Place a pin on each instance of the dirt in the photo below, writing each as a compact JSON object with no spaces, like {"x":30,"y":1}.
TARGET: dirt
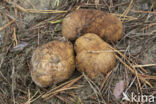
{"x":29,"y":30}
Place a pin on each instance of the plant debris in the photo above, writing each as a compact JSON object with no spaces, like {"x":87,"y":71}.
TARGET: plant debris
{"x":27,"y":24}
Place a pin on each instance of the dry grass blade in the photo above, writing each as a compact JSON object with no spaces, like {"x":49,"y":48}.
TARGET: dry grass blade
{"x":137,"y":77}
{"x":146,"y":65}
{"x":148,"y":26}
{"x":140,"y":68}
{"x":13,"y":82}
{"x":32,"y":99}
{"x":62,"y":88}
{"x":104,"y":81}
{"x":29,"y":2}
{"x":58,"y":91}
{"x":140,"y":11}
{"x":96,"y":2}
{"x":63,"y":99}
{"x":6,"y":25}
{"x":128,"y":18}
{"x":35,"y":10}
{"x":44,"y":11}
{"x":75,"y":98}
{"x":29,"y":94}
{"x":73,"y":81}
{"x":15,"y":37}
{"x":148,"y":77}
{"x":128,"y":9}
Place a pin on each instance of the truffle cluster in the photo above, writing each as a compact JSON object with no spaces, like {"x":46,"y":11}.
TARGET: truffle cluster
{"x":55,"y":61}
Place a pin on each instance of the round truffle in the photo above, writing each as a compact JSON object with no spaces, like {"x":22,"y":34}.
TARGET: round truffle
{"x":82,"y":21}
{"x":52,"y":63}
{"x":94,"y":56}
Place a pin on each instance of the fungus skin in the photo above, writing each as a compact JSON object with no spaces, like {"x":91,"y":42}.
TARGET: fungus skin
{"x":94,"y":56}
{"x":52,"y":63}
{"x":83,"y":21}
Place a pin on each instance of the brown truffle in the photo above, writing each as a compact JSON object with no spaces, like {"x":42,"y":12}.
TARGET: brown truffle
{"x":52,"y":63}
{"x":82,"y":21}
{"x":94,"y":56}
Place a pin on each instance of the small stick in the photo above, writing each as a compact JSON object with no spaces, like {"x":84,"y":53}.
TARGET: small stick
{"x":14,"y":36}
{"x":127,"y":10}
{"x":6,"y":25}
{"x":29,"y":2}
{"x":146,"y":65}
{"x":28,"y":102}
{"x":104,"y":81}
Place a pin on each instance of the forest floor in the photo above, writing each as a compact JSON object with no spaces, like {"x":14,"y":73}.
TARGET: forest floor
{"x":26,"y":24}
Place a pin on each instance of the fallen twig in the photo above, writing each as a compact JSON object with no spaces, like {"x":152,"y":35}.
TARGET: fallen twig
{"x":6,"y":25}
